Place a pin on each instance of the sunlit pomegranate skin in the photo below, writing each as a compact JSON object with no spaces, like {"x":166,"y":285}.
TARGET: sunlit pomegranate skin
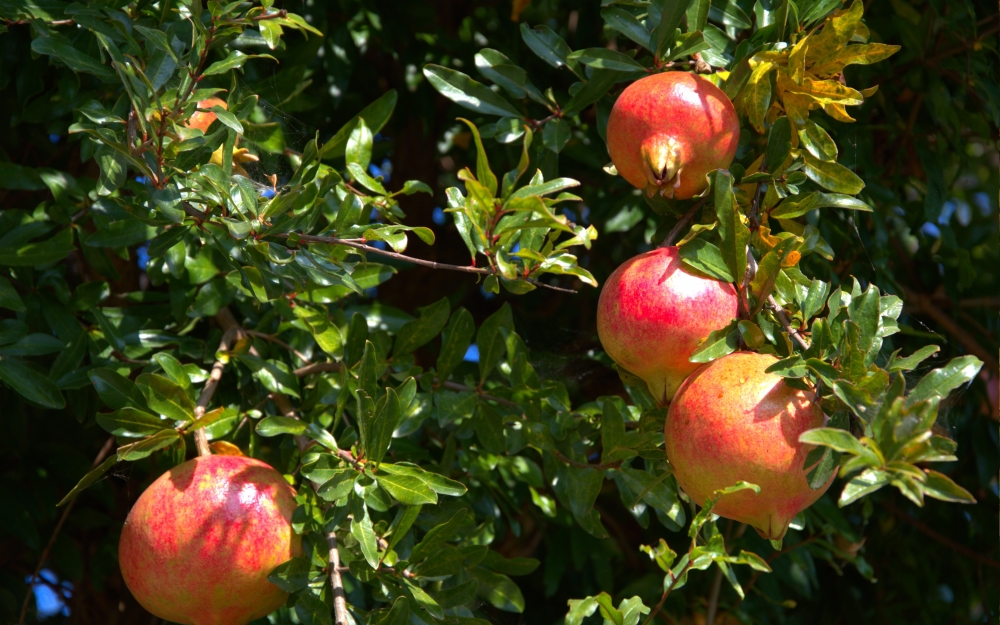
{"x":202,"y":120}
{"x":731,"y":421}
{"x":653,"y":313}
{"x":668,"y":130}
{"x":198,"y":545}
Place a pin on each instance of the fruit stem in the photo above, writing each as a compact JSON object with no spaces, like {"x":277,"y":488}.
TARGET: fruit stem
{"x":200,"y":436}
{"x":669,"y":240}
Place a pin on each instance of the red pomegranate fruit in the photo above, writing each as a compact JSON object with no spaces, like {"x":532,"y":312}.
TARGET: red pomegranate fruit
{"x":199,"y":543}
{"x":653,"y":313}
{"x":668,"y":130}
{"x":732,"y":421}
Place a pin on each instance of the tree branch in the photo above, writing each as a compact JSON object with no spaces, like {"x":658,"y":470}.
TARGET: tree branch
{"x":669,"y":239}
{"x":200,"y":437}
{"x":274,"y":339}
{"x":944,"y":540}
{"x":969,"y":342}
{"x":101,"y":455}
{"x":336,"y":582}
{"x":309,"y":238}
{"x":780,"y":314}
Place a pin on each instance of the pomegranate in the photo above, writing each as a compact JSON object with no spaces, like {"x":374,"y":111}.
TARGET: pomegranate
{"x":731,"y":421}
{"x":198,"y":545}
{"x":203,"y":119}
{"x":652,"y":314}
{"x":668,"y":130}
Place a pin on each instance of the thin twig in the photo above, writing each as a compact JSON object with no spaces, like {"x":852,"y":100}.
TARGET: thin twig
{"x":455,"y":386}
{"x":669,"y":239}
{"x":274,"y":339}
{"x":318,"y":367}
{"x":200,"y":436}
{"x":101,"y":455}
{"x":944,"y":540}
{"x":780,"y":314}
{"x":309,"y":238}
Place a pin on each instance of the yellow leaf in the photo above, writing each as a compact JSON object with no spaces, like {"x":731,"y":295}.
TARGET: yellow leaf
{"x":853,"y":55}
{"x":792,"y":259}
{"x":797,"y":60}
{"x":222,"y":448}
{"x":838,"y":112}
{"x":796,"y":107}
{"x":828,"y":91}
{"x":869,"y":92}
{"x":751,"y":188}
{"x":861,"y":33}
{"x":757,"y":95}
{"x":837,"y":31}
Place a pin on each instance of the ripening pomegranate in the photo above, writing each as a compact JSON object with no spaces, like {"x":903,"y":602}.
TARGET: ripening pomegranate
{"x":653,"y":313}
{"x":203,"y":119}
{"x":199,"y":543}
{"x":668,"y":130}
{"x":731,"y":421}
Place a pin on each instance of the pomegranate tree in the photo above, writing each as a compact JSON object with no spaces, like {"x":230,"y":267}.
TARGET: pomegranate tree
{"x":199,"y":543}
{"x":731,"y":421}
{"x":653,"y":313}
{"x":668,"y":130}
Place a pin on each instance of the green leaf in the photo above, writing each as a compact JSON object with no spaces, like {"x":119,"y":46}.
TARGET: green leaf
{"x":779,"y":144}
{"x":603,"y":58}
{"x":663,"y":35}
{"x":697,"y":15}
{"x":421,"y":330}
{"x":116,"y":391}
{"x":549,"y":47}
{"x":819,"y":143}
{"x":498,"y":590}
{"x":625,"y":23}
{"x":381,"y":425}
{"x":865,"y":483}
{"x":913,"y":361}
{"x":832,"y":176}
{"x":468,"y":93}
{"x":142,"y":449}
{"x":601,"y":81}
{"x":705,"y":258}
{"x":61,"y":48}
{"x":338,"y":486}
{"x":491,"y":342}
{"x":131,"y":422}
{"x":718,"y":343}
{"x":359,"y":145}
{"x":363,"y":531}
{"x":276,"y":425}
{"x":817,"y":199}
{"x":166,"y":397}
{"x":408,"y":490}
{"x":488,"y":424}
{"x":399,"y":614}
{"x":940,"y":486}
{"x":173,"y":368}
{"x":556,"y":135}
{"x":734,"y":233}
{"x":227,"y":118}
{"x":836,"y":439}
{"x":437,"y":483}
{"x":9,"y":297}
{"x":29,"y":383}
{"x":38,"y":254}
{"x":275,"y":375}
{"x":292,"y":576}
{"x":455,"y":341}
{"x":729,"y":13}
{"x":312,"y":611}
{"x":89,"y":479}
{"x":940,"y":382}
{"x":235,"y":60}
{"x":375,"y":115}
{"x":360,"y":176}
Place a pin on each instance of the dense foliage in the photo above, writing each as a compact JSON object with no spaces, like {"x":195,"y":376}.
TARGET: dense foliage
{"x":461,"y":446}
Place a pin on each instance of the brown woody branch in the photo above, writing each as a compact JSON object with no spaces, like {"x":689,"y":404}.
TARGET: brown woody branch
{"x":669,"y":239}
{"x":944,"y":540}
{"x":927,"y":306}
{"x":200,"y":437}
{"x":780,"y":314}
